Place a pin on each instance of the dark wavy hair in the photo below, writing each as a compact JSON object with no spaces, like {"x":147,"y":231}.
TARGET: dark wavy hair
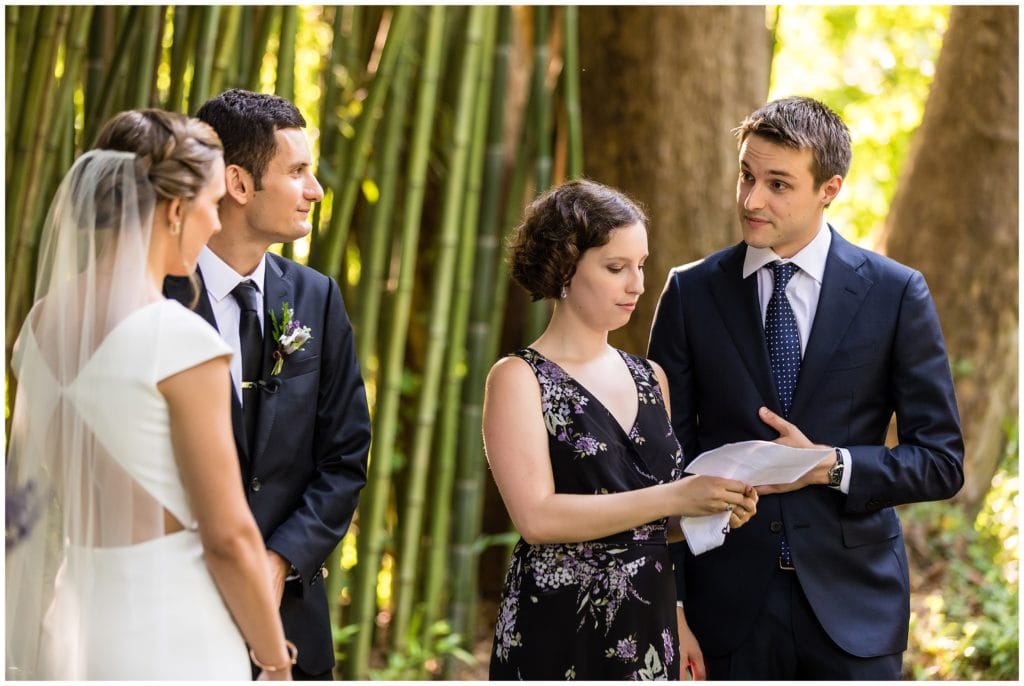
{"x":559,"y":227}
{"x":246,"y":123}
{"x":803,"y":124}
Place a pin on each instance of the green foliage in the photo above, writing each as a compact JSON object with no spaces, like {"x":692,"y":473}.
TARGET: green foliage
{"x":418,"y":655}
{"x":874,"y":66}
{"x":964,"y":601}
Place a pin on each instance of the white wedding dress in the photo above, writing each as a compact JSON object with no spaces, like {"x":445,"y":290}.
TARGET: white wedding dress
{"x":148,"y":608}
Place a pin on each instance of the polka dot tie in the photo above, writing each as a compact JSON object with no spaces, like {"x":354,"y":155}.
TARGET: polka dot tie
{"x":783,"y":337}
{"x":783,"y":340}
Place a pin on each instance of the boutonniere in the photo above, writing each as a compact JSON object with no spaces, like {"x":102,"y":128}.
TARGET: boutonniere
{"x":290,"y":335}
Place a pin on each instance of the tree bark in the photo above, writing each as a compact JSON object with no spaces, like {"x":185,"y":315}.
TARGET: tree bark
{"x":662,"y":87}
{"x":954,"y":217}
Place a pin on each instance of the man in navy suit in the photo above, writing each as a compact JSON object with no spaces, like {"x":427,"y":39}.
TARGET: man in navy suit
{"x":816,"y":585}
{"x":300,"y":417}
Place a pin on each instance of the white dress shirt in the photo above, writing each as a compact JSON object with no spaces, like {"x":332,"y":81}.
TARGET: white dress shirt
{"x":803,"y":292}
{"x":220,"y":280}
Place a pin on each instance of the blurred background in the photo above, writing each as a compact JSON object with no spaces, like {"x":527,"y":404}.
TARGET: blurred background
{"x":433,"y":127}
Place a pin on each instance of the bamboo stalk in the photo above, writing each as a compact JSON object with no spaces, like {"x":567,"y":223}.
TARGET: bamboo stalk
{"x":265,"y":28}
{"x":203,"y":57}
{"x":329,"y":114}
{"x":149,"y":44}
{"x":228,"y":36}
{"x":470,"y":469}
{"x":285,"y":83}
{"x":115,"y":75}
{"x":571,"y":76}
{"x":24,"y":186}
{"x":11,"y":16}
{"x":373,"y":279}
{"x":537,"y":313}
{"x":374,"y":502}
{"x":246,"y":44}
{"x":25,"y":42}
{"x":332,"y":243}
{"x":450,"y":434}
{"x":53,"y":159}
{"x":445,"y":262}
{"x":102,"y":37}
{"x":185,"y":27}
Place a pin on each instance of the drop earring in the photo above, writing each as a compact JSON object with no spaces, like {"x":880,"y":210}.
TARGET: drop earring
{"x":175,"y":228}
{"x":564,"y":293}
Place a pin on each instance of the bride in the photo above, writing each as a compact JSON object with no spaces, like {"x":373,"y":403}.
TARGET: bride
{"x":139,"y":558}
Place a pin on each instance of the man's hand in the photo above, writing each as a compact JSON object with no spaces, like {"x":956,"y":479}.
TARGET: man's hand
{"x":278,"y":571}
{"x":690,"y":656}
{"x":790,"y":435}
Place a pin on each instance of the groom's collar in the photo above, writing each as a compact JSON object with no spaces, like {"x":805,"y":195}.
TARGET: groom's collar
{"x":221,"y":279}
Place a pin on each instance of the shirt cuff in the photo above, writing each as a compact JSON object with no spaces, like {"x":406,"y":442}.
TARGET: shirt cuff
{"x":844,"y":483}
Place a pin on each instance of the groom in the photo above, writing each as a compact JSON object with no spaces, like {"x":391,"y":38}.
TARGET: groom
{"x":300,"y":417}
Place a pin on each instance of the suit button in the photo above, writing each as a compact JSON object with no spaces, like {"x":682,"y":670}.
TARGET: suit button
{"x":255,"y":484}
{"x":775,"y":527}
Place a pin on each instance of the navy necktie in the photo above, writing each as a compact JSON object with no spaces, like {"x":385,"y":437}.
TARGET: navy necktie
{"x":783,"y":340}
{"x":783,"y":337}
{"x":250,"y":340}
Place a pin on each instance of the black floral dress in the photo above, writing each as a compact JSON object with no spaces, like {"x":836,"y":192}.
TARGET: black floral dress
{"x":603,"y":609}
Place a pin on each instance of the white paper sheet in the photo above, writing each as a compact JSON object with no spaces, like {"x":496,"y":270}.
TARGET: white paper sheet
{"x":754,"y":462}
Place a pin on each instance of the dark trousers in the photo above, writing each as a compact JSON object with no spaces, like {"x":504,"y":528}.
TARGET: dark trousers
{"x":788,"y":642}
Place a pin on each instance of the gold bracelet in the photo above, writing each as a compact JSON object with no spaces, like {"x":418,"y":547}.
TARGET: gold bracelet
{"x":293,"y":654}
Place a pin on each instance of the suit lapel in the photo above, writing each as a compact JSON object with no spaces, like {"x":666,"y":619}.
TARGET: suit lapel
{"x":179,"y":288}
{"x":738,"y":306}
{"x":843,"y":291}
{"x":278,"y":290}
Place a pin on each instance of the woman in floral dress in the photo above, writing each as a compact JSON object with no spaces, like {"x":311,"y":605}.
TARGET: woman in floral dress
{"x":580,"y":443}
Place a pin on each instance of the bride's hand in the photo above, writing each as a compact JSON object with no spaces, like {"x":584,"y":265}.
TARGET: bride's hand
{"x":704,"y":495}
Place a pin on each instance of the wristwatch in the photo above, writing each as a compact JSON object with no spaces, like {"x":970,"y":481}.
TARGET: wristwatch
{"x":835,"y":472}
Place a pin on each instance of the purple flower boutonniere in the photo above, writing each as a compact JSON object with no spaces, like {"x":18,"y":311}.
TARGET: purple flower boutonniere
{"x":290,"y":335}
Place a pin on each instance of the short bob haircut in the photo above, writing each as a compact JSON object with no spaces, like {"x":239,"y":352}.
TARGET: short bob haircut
{"x":559,"y":227}
{"x":803,"y":124}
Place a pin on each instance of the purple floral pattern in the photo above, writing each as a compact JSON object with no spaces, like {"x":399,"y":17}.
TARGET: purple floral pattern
{"x":616,"y":595}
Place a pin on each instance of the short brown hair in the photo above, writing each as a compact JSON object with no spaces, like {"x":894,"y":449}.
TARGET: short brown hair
{"x":803,"y":124}
{"x":560,"y":226}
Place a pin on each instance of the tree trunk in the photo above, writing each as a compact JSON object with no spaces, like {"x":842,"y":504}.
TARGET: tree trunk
{"x":954,"y":217}
{"x":700,"y":71}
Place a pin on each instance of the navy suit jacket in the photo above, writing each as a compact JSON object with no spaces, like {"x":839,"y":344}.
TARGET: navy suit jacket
{"x":303,"y":477}
{"x":875,"y":349}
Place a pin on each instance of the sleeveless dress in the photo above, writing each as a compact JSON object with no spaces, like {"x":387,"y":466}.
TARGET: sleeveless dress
{"x":602,"y":609}
{"x":149,"y":610}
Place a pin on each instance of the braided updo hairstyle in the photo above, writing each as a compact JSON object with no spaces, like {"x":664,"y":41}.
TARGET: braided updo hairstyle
{"x":559,"y":227}
{"x":175,"y":152}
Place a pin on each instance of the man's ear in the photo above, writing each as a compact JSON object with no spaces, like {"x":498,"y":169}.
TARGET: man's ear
{"x":830,"y":189}
{"x":240,"y":184}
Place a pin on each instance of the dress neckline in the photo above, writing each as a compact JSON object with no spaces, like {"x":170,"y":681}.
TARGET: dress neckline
{"x":622,"y":355}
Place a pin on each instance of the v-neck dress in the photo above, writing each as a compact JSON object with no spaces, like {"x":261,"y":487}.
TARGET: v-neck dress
{"x":602,"y":609}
